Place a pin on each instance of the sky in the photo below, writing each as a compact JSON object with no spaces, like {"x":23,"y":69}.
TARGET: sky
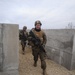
{"x":54,"y":14}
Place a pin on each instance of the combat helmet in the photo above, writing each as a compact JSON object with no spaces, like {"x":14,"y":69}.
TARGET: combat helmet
{"x":38,"y":22}
{"x":24,"y":27}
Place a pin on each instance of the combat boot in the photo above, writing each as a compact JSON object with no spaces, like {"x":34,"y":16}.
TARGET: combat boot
{"x":23,"y":52}
{"x":35,"y":64}
{"x":44,"y":72}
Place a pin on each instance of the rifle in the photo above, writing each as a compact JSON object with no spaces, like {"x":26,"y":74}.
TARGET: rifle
{"x":36,"y":41}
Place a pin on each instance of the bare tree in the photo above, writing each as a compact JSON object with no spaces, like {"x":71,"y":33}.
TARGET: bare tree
{"x":70,"y":26}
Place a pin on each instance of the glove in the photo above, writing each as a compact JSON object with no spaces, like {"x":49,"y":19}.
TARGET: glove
{"x":43,"y":45}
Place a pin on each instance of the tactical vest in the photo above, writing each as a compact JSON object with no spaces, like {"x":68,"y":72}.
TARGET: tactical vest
{"x":39,"y":35}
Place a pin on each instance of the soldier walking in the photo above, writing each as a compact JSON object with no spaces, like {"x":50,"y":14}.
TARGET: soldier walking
{"x":37,"y":39}
{"x":23,"y":37}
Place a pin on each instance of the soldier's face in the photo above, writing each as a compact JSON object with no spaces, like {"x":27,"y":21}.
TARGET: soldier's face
{"x":38,"y":26}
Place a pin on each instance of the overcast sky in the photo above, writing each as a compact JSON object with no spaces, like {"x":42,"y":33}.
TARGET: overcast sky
{"x":52,"y":13}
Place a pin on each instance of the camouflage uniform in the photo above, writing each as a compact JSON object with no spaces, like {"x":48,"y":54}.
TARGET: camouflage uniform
{"x":23,"y":37}
{"x":35,"y":49}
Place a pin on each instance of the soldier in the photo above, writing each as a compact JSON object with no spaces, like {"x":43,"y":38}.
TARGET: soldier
{"x":23,"y":37}
{"x":37,"y":39}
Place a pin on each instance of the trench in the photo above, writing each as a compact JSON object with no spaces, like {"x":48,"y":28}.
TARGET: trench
{"x":26,"y":65}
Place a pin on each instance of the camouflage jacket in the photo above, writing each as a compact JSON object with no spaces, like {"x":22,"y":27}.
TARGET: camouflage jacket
{"x":41,"y":35}
{"x":23,"y":35}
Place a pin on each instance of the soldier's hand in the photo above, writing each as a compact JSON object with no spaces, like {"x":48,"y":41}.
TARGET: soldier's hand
{"x":43,"y":45}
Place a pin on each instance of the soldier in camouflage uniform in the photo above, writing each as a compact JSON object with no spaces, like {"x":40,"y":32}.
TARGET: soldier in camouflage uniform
{"x":35,"y":49}
{"x":23,"y":37}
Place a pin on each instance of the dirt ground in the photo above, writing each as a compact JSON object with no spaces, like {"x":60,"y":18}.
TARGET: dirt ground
{"x":26,"y":65}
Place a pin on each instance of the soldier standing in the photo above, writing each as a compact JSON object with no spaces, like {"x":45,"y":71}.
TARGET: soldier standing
{"x":23,"y":37}
{"x":36,"y":50}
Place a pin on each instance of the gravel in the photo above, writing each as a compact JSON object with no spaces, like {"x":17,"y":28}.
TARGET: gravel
{"x":26,"y":65}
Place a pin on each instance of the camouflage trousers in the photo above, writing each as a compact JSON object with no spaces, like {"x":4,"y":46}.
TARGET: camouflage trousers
{"x":37,"y":52}
{"x":23,"y":43}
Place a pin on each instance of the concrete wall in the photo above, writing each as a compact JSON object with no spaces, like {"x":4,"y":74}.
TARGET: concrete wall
{"x":73,"y":55}
{"x":1,"y":49}
{"x":60,"y":46}
{"x":9,"y":48}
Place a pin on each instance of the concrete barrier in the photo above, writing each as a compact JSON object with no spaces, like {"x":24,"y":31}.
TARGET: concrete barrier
{"x":60,"y":47}
{"x":9,"y":49}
